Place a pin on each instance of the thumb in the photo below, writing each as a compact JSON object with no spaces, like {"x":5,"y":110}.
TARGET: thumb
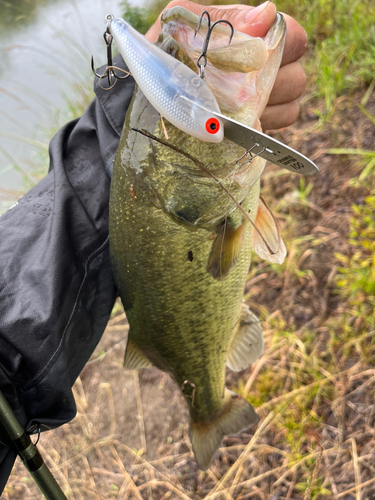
{"x":254,"y":21}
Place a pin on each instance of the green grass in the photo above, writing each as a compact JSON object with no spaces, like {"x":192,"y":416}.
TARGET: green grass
{"x":142,"y":18}
{"x":364,"y":158}
{"x":341,"y":55}
{"x":306,"y":371}
{"x":356,"y":282}
{"x":342,"y":44}
{"x":357,"y":273}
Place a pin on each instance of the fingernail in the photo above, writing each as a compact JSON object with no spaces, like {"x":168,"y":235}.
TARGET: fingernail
{"x":254,"y":13}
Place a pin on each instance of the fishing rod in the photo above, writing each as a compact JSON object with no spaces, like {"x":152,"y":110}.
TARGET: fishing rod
{"x":21,"y":443}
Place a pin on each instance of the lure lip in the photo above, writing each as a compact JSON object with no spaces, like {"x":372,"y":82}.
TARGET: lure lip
{"x":273,"y":150}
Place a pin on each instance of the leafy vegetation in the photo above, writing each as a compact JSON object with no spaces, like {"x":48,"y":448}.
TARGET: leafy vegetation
{"x":19,"y":13}
{"x":142,"y":18}
{"x":342,"y":36}
{"x":342,"y":44}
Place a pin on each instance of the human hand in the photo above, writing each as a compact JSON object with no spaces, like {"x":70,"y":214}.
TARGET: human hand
{"x":282,"y":109}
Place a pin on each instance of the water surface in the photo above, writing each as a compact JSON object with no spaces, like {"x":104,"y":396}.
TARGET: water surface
{"x":45,"y":47}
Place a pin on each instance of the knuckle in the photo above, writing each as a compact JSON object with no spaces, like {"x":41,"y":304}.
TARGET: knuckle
{"x":280,"y":116}
{"x":292,"y":113}
{"x":300,"y":79}
{"x":296,"y":77}
{"x":289,"y":85}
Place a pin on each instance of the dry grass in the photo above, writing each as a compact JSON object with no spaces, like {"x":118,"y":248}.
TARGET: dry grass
{"x":313,"y":387}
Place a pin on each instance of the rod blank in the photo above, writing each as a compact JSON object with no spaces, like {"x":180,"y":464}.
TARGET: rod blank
{"x":28,"y":452}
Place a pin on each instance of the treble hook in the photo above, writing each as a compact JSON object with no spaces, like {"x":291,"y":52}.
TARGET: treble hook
{"x":207,"y":39}
{"x":110,"y":69}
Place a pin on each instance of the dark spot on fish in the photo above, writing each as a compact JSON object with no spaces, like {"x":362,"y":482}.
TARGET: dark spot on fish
{"x":190,"y":256}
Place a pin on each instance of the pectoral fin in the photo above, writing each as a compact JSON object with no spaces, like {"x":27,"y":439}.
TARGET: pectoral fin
{"x":225,"y":251}
{"x":237,"y":415}
{"x":134,"y":357}
{"x":247,"y":344}
{"x":269,"y":235}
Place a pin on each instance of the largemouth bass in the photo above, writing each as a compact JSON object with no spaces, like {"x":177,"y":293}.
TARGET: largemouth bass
{"x":182,"y":218}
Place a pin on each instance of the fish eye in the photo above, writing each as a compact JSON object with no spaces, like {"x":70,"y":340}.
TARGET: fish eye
{"x":212,"y":125}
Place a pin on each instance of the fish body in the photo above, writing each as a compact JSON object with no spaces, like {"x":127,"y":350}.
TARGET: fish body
{"x":182,"y":213}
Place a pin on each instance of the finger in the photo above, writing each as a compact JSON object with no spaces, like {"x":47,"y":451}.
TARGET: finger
{"x":295,"y":41}
{"x":279,"y":116}
{"x":289,"y":84}
{"x":253,"y":21}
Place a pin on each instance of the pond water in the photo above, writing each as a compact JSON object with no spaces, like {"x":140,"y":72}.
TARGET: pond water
{"x":46,"y":47}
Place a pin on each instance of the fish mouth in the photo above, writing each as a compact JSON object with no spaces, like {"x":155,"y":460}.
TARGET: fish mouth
{"x":240,"y":74}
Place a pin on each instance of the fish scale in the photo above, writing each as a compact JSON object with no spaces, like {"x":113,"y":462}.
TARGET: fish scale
{"x":204,"y":307}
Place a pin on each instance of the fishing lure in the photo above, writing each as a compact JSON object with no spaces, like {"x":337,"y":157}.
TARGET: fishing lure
{"x":181,"y":96}
{"x":174,"y":90}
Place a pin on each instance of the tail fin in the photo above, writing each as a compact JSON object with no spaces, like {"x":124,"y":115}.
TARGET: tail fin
{"x":237,"y":415}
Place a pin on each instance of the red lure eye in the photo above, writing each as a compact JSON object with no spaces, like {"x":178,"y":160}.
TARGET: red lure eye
{"x":212,"y":126}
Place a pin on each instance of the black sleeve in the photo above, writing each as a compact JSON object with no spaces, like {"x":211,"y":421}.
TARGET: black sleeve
{"x":56,"y":285}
